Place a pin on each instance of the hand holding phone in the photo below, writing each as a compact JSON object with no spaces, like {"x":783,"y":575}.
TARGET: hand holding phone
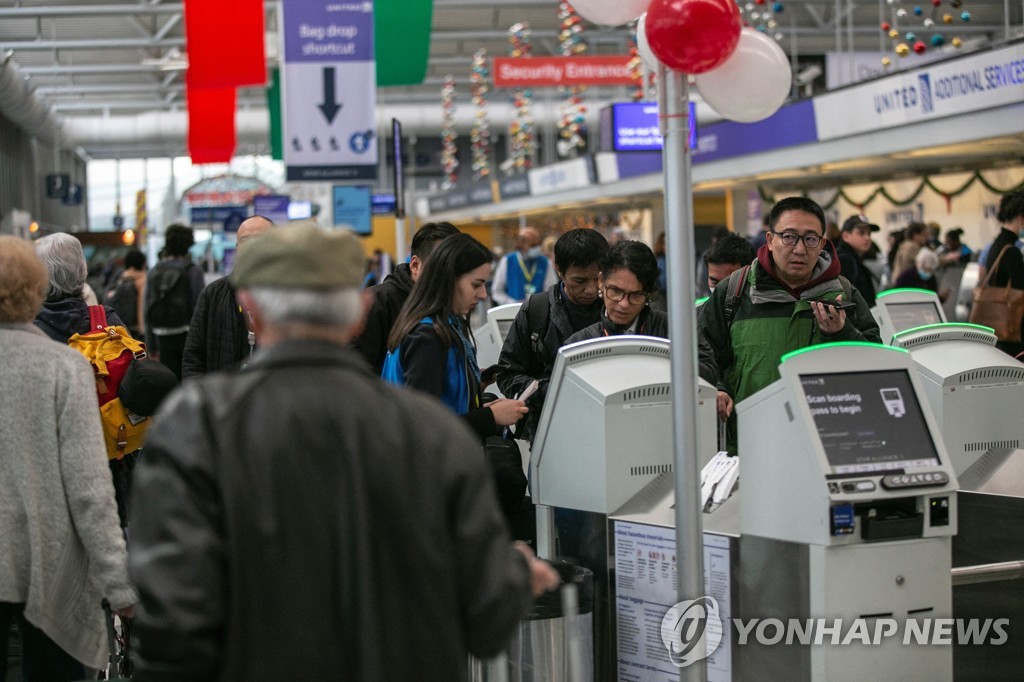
{"x":528,"y":391}
{"x":838,"y":305}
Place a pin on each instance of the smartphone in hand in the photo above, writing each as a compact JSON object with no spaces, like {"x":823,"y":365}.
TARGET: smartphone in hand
{"x":838,"y":305}
{"x":528,"y":391}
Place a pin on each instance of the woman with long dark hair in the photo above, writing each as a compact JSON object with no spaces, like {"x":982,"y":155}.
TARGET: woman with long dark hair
{"x":431,"y":348}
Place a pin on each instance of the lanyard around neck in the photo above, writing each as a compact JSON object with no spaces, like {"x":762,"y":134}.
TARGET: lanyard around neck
{"x":527,"y":273}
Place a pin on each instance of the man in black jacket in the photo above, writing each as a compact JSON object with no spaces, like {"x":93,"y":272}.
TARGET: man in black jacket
{"x":390,"y":295}
{"x":855,"y":241}
{"x":219,"y":338}
{"x":302,"y":520}
{"x":1011,"y":266}
{"x":546,"y":319}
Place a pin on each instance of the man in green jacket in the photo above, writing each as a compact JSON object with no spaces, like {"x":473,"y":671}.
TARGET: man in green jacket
{"x":776,"y":310}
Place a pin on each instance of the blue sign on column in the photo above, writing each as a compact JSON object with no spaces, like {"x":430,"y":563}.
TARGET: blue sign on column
{"x":329,"y":85}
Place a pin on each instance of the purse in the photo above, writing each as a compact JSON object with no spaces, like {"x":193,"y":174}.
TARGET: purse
{"x":1000,"y":308}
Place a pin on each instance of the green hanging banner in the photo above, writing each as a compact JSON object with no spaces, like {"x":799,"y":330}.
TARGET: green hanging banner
{"x":401,"y":37}
{"x":274,"y":108}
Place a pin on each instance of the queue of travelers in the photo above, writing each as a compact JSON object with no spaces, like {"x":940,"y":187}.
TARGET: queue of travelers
{"x":308,"y":397}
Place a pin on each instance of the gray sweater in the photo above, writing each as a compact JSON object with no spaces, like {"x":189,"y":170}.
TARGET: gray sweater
{"x":61,"y":549}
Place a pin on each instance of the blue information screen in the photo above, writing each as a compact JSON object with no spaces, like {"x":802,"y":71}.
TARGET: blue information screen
{"x":352,"y":208}
{"x":635,"y":127}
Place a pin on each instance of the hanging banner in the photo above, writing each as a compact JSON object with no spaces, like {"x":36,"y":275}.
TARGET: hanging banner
{"x":519,"y":72}
{"x":329,"y":88}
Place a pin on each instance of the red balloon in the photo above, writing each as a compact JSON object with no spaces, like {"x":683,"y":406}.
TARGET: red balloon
{"x":692,"y":36}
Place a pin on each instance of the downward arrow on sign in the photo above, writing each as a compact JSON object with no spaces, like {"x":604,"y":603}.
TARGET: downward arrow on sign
{"x":330,"y":107}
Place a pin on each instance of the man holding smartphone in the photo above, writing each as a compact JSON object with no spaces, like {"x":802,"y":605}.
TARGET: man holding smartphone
{"x":791,"y":297}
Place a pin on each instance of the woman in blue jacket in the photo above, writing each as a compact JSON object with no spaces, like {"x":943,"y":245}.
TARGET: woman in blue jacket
{"x":431,"y":348}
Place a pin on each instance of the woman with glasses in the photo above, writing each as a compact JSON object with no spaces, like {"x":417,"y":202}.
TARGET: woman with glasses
{"x":629,"y":277}
{"x":431,"y":348}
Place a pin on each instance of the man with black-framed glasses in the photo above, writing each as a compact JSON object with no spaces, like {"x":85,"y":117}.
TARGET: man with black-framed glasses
{"x":760,"y":313}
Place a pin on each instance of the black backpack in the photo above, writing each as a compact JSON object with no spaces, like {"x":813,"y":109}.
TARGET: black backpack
{"x":171,"y":297}
{"x":124,"y":299}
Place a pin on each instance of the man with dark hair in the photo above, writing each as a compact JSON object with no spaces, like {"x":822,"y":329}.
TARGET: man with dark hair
{"x":778,"y":308}
{"x":219,"y":337}
{"x":546,"y":319}
{"x":172,"y":292}
{"x":855,"y":241}
{"x":725,"y":256}
{"x":390,"y":295}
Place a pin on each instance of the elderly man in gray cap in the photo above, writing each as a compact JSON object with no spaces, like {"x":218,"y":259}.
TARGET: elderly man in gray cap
{"x":302,"y":520}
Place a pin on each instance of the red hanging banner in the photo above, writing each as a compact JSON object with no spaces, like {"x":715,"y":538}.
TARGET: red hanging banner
{"x":211,"y":124}
{"x":224,"y":40}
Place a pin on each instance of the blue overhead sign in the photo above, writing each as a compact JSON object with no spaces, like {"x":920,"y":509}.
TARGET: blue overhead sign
{"x":329,"y":85}
{"x":352,"y":208}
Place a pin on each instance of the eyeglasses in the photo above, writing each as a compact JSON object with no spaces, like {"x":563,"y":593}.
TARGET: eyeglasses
{"x":616,"y":294}
{"x":811,"y":241}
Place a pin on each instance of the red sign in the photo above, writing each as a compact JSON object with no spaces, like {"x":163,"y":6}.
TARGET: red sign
{"x":520,"y":72}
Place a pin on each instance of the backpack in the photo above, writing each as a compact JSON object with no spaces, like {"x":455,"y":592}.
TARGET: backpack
{"x":124,"y":299}
{"x":117,"y":360}
{"x":169,"y":305}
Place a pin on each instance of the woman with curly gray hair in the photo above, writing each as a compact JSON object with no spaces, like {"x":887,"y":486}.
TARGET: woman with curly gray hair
{"x":61,"y":548}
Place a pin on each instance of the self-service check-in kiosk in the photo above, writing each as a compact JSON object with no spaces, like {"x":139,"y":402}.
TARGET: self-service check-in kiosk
{"x":977,"y":392}
{"x":490,"y":336}
{"x":847,"y":508}
{"x":899,"y":309}
{"x":605,"y":433}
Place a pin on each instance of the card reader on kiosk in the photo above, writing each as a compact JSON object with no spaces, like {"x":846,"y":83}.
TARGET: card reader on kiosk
{"x":899,"y":309}
{"x":847,"y":506}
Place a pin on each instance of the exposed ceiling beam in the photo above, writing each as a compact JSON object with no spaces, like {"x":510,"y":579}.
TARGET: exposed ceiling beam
{"x":85,"y":69}
{"x":90,"y":44}
{"x":75,"y":10}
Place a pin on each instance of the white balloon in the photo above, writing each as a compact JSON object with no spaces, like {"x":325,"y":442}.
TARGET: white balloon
{"x":642,"y":46}
{"x":752,"y":83}
{"x":610,"y":12}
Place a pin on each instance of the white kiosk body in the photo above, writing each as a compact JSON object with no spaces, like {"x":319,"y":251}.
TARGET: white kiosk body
{"x":976,"y":392}
{"x":847,"y":507}
{"x":606,"y":428}
{"x":490,"y":336}
{"x":899,"y":309}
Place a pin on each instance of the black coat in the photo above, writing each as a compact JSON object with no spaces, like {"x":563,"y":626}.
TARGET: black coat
{"x":853,"y":269}
{"x":301,"y":520}
{"x":1011,"y":269}
{"x":388,"y":298}
{"x":218,"y":338}
{"x":524,"y":359}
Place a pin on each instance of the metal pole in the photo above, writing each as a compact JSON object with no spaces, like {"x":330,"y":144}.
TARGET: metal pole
{"x":681,"y":253}
{"x":988,"y":573}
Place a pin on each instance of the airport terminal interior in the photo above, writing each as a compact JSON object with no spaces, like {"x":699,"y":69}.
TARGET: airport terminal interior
{"x":861,"y":517}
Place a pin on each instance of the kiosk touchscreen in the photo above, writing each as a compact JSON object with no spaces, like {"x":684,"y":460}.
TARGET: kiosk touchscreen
{"x":848,"y":495}
{"x":490,"y":336}
{"x":606,"y":428}
{"x":975,"y":391}
{"x":899,"y":309}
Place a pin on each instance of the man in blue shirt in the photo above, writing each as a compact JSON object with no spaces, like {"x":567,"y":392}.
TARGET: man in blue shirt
{"x":524,"y":272}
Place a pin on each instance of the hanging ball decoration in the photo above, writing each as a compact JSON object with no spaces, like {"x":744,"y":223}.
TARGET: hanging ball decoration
{"x":929,"y":22}
{"x":886,"y":26}
{"x":936,"y":3}
{"x":910,"y":37}
{"x":886,"y":62}
{"x":894,"y":34}
{"x":902,"y":50}
{"x":920,"y":47}
{"x":938,"y":39}
{"x":957,"y":42}
{"x":901,"y":12}
{"x":772,"y":24}
{"x":918,"y":11}
{"x":947,"y":18}
{"x":965,"y":16}
{"x":890,"y":2}
{"x":778,"y":8}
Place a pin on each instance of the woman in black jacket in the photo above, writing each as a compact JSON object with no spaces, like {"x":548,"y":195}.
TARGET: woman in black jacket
{"x":1011,"y":266}
{"x":629,"y":277}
